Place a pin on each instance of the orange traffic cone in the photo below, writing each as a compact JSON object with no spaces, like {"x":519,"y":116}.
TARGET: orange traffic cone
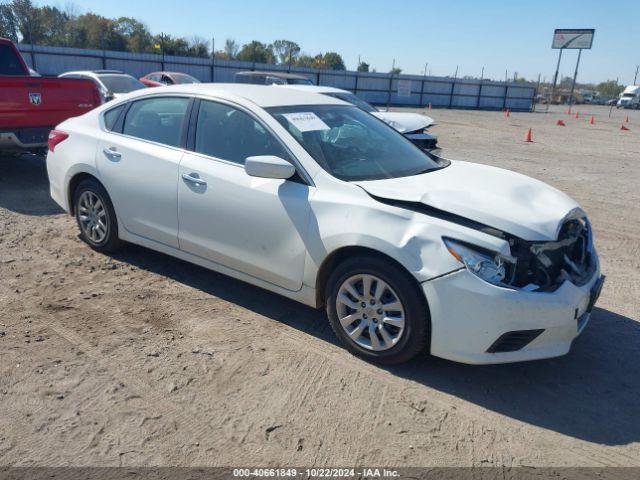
{"x":529,"y":136}
{"x":622,"y":127}
{"x":592,"y":121}
{"x":429,"y":105}
{"x":626,"y":120}
{"x":560,"y":123}
{"x":568,"y":112}
{"x":577,"y":114}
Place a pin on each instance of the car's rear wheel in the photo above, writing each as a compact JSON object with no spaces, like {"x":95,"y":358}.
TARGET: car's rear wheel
{"x":377,"y":310}
{"x":96,"y":217}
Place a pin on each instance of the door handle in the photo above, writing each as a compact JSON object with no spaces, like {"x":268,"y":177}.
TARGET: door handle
{"x":112,"y":154}
{"x":195,"y":180}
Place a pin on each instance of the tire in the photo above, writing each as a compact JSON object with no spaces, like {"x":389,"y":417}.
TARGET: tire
{"x":408,"y":340}
{"x":104,"y":238}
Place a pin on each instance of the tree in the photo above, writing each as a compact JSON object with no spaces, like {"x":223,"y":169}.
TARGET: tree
{"x":286,"y":51}
{"x":98,"y":32}
{"x":231,"y":48}
{"x":395,"y":71}
{"x":176,"y":46}
{"x":333,"y":61}
{"x":256,"y":51}
{"x":306,"y":61}
{"x":8,"y":23}
{"x":138,"y":38}
{"x":27,"y":21}
{"x":363,"y":67}
{"x":198,"y":47}
{"x":610,"y":88}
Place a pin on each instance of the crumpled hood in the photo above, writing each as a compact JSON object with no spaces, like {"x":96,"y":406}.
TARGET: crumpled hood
{"x":405,"y":122}
{"x":509,"y":201}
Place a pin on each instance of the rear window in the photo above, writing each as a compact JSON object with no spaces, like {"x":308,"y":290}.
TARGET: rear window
{"x":9,"y":62}
{"x":299,"y":81}
{"x":118,"y":83}
{"x":157,"y":119}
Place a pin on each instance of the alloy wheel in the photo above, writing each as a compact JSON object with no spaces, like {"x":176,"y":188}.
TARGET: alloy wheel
{"x":92,"y":216}
{"x":370,"y":312}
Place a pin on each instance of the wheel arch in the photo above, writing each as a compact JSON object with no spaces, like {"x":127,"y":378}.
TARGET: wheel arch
{"x":73,"y":183}
{"x":337,"y":256}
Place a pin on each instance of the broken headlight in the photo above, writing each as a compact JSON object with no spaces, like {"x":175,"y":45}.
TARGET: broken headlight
{"x":491,"y":267}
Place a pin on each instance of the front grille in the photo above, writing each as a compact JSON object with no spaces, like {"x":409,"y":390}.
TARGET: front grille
{"x":513,"y":341}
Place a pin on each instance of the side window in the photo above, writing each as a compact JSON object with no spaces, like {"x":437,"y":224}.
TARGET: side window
{"x":111,"y":117}
{"x":157,"y":119}
{"x":230,"y":134}
{"x":274,"y":81}
{"x":9,"y":63}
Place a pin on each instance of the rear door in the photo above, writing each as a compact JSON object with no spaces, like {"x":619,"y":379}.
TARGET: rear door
{"x":139,"y":165}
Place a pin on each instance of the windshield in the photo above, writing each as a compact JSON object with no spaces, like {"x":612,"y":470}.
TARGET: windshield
{"x":351,"y":144}
{"x":628,"y":94}
{"x":121,"y":83}
{"x":299,"y":81}
{"x":352,"y":99}
{"x":181,"y":78}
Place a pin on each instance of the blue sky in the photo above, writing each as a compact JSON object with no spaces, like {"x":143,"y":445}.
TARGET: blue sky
{"x":499,"y":35}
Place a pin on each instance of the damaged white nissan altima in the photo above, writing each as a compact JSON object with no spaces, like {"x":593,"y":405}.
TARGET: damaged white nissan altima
{"x":311,"y":197}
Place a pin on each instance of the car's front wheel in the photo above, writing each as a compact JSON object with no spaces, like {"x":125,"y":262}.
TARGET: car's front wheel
{"x":96,"y":217}
{"x":377,"y":310}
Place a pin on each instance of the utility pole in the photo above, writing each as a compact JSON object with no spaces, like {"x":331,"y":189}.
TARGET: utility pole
{"x":213,"y":57}
{"x":393,"y":68}
{"x":162,"y":48}
{"x":575,"y":75}
{"x":636,"y":75}
{"x":555,"y":77}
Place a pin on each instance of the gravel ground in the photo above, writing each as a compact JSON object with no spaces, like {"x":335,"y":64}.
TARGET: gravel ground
{"x":140,"y":359}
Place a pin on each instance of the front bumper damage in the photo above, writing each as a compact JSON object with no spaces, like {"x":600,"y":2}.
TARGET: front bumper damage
{"x":469,"y":315}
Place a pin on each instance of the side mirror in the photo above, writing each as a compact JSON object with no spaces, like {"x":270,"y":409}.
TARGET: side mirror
{"x":268,"y":166}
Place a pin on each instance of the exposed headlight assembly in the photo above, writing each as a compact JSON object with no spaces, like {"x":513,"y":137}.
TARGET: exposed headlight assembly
{"x":492,"y":267}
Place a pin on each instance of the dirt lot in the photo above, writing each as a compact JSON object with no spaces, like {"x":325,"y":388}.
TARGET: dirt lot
{"x":141,"y":359}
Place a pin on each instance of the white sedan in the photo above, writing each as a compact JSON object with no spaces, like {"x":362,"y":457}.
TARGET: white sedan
{"x":404,"y":122}
{"x":311,"y":197}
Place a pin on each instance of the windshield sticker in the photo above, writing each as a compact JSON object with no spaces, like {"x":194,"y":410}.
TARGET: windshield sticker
{"x":306,"y":121}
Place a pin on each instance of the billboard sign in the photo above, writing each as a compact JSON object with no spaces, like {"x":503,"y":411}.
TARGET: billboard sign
{"x":576,"y":38}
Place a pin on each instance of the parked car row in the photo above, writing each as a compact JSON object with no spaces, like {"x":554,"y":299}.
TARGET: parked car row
{"x":29,"y":124}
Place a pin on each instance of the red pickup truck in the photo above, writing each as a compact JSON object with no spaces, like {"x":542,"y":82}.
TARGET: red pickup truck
{"x":31,"y":106}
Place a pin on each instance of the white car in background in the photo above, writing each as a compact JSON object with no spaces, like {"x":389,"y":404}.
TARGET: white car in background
{"x":112,"y":84}
{"x":312,"y":198}
{"x":404,"y":122}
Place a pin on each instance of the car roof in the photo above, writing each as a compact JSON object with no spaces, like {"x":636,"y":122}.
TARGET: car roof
{"x":261,"y":95}
{"x":313,"y":88}
{"x":167,"y":72}
{"x":94,"y":72}
{"x":273,"y":74}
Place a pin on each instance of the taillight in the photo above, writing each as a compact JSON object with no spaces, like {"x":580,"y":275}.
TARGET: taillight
{"x":55,"y":137}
